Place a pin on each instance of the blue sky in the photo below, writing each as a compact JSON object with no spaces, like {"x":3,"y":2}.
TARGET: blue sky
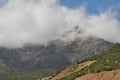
{"x":94,"y":6}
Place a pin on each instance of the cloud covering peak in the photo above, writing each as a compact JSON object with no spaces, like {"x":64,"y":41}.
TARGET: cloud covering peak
{"x":40,"y":21}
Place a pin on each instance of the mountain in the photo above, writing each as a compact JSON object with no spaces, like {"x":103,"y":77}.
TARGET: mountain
{"x":31,"y":61}
{"x":55,"y":55}
{"x":104,"y":66}
{"x":36,"y":61}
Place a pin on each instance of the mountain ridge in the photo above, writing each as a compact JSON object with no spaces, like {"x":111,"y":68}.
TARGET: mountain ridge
{"x":31,"y":61}
{"x":55,"y":55}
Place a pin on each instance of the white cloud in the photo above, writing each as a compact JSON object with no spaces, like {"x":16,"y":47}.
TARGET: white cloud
{"x":40,"y":21}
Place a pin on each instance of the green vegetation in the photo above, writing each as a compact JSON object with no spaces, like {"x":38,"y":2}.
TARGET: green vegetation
{"x":70,"y":77}
{"x":72,"y":68}
{"x":26,"y":75}
{"x":4,"y":68}
{"x":75,"y":74}
{"x":108,"y":60}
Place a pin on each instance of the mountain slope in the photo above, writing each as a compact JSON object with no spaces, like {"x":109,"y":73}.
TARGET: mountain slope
{"x":56,"y":55}
{"x":104,"y":75}
{"x":26,"y":75}
{"x":70,"y":69}
{"x":103,"y":65}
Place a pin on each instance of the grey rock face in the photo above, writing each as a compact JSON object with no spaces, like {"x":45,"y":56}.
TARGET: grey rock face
{"x":57,"y":54}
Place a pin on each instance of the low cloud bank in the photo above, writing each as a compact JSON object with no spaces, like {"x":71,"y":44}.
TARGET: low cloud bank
{"x":40,"y":21}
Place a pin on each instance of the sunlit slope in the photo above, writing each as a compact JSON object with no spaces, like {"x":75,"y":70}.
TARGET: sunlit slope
{"x":108,"y":62}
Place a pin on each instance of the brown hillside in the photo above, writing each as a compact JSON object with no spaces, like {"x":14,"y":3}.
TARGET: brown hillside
{"x":70,"y":70}
{"x":105,"y":75}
